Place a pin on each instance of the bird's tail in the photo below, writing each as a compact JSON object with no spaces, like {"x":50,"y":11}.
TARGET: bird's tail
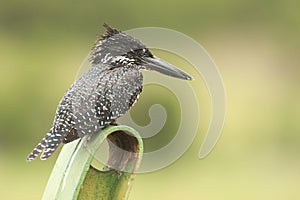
{"x":46,"y":146}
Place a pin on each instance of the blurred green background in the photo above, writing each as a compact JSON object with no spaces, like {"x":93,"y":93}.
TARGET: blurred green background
{"x":255,"y":45}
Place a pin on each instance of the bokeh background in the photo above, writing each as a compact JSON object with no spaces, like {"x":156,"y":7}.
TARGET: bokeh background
{"x":255,"y":45}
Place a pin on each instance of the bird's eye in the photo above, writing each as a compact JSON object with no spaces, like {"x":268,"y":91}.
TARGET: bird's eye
{"x":140,"y":52}
{"x":144,"y":53}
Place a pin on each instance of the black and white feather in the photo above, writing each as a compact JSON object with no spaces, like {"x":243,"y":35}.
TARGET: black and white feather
{"x":105,"y":92}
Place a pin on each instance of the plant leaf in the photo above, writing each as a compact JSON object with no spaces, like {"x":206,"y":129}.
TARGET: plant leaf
{"x":73,"y":177}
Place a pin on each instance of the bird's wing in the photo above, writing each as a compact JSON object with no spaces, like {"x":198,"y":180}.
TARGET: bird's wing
{"x":111,"y":96}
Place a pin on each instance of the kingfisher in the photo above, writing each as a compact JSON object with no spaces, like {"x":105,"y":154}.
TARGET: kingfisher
{"x":105,"y":92}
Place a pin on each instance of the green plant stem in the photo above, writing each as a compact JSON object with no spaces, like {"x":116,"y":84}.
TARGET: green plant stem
{"x":73,"y":176}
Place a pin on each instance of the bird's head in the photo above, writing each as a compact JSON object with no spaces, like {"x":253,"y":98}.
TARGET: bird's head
{"x":118,"y":49}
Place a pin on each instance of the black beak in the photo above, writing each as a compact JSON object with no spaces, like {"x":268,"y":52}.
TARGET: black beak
{"x":163,"y":67}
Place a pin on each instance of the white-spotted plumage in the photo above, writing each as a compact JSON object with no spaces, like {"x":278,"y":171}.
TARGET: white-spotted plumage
{"x":101,"y":95}
{"x":90,"y":104}
{"x":93,"y":100}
